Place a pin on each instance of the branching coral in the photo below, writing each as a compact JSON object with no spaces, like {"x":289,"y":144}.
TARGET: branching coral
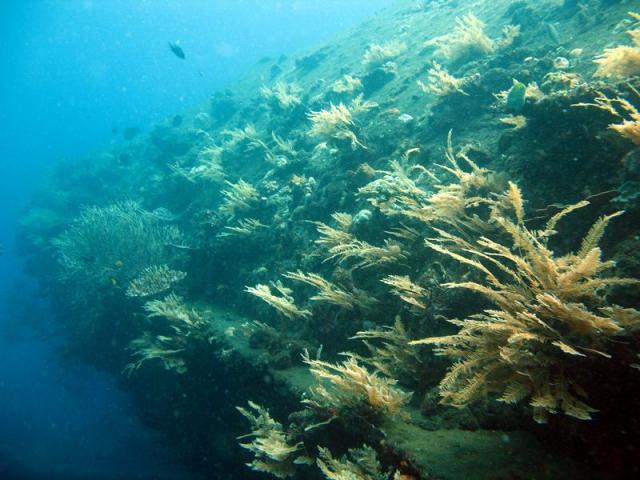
{"x":108,"y":246}
{"x":284,"y":303}
{"x":332,"y":237}
{"x":349,"y":385}
{"x":551,"y":317}
{"x":330,"y":293}
{"x":274,"y":450}
{"x":621,"y":61}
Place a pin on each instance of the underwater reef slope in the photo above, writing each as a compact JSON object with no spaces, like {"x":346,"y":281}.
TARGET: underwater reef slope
{"x":411,"y":252}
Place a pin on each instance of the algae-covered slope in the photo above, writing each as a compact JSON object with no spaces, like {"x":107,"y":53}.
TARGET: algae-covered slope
{"x":410,"y":252}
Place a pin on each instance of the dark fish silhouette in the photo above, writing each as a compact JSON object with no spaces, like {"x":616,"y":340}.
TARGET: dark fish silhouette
{"x":177,"y":50}
{"x":553,"y":32}
{"x":177,"y":121}
{"x":130,"y":133}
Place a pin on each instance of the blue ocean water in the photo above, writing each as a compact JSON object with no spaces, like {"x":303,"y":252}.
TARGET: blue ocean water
{"x":73,"y":75}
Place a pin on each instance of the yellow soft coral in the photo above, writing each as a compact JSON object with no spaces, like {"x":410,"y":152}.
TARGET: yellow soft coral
{"x":621,"y":61}
{"x":550,"y":318}
{"x":273,"y":449}
{"x":467,"y":40}
{"x":622,"y":108}
{"x":350,"y":385}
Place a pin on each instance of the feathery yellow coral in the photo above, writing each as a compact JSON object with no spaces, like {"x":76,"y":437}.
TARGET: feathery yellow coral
{"x":509,"y":34}
{"x":350,"y":385}
{"x":173,"y":309}
{"x":453,"y":203}
{"x":183,"y":325}
{"x":273,"y":449}
{"x":239,"y":197}
{"x":377,"y":55}
{"x":343,"y":246}
{"x":284,"y":95}
{"x":467,"y":40}
{"x":208,"y":168}
{"x":335,"y":123}
{"x":551,"y":316}
{"x":441,"y":83}
{"x":630,"y":125}
{"x":359,"y":464}
{"x":358,"y":105}
{"x":390,"y":352}
{"x":409,"y":292}
{"x":283,"y":304}
{"x":621,"y":61}
{"x":167,"y":349}
{"x":515,"y":121}
{"x":330,"y":293}
{"x":247,"y":138}
{"x":346,"y":84}
{"x":245,"y":227}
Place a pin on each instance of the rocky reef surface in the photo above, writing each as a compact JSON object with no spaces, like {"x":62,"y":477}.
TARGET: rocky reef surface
{"x":411,"y":252}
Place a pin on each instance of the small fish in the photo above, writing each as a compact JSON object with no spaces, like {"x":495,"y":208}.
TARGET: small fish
{"x":177,"y":50}
{"x":177,"y":121}
{"x":516,"y":97}
{"x":114,"y":282}
{"x":119,"y":264}
{"x":88,"y":258}
{"x":553,"y":32}
{"x":130,"y":133}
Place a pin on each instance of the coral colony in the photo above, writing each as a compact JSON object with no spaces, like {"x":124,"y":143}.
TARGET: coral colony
{"x":421,"y":239}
